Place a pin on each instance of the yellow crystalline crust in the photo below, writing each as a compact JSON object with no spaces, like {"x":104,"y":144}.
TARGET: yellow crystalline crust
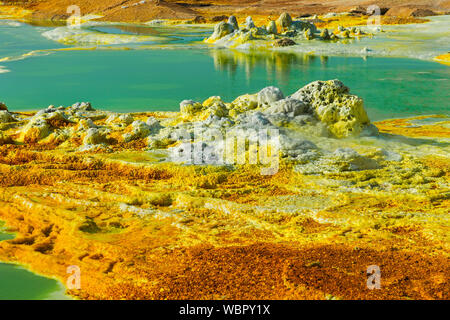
{"x":140,"y":229}
{"x":405,"y":127}
{"x":444,"y":59}
{"x":12,"y":12}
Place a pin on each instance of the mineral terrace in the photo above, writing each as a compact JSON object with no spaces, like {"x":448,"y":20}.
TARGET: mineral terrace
{"x":109,"y":192}
{"x":281,"y":33}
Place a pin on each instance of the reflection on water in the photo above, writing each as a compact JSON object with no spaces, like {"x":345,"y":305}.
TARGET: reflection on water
{"x":126,"y":29}
{"x":46,"y":23}
{"x":389,"y":87}
{"x":278,"y":64}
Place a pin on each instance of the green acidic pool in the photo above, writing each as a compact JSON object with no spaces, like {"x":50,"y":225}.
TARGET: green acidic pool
{"x":145,"y":80}
{"x":149,"y":77}
{"x":16,"y":283}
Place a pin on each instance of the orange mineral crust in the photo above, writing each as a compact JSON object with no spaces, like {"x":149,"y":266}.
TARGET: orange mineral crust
{"x":167,"y":232}
{"x":438,"y":126}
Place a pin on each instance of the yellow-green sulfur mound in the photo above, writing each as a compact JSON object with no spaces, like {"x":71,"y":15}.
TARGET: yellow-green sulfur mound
{"x":333,"y":104}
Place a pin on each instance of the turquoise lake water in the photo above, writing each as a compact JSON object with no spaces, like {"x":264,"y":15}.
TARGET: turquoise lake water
{"x":158,"y":78}
{"x":16,"y":283}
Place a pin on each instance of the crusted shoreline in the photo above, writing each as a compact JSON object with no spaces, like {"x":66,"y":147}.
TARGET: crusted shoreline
{"x":101,"y":190}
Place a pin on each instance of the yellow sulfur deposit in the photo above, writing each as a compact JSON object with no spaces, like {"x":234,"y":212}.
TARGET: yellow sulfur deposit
{"x":12,"y":12}
{"x":444,"y":59}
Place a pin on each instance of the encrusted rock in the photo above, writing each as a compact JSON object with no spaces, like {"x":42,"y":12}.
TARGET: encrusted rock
{"x":3,"y":106}
{"x":56,"y":118}
{"x":123,"y":120}
{"x":84,"y":124}
{"x":221,"y":30}
{"x":320,"y":109}
{"x":190,"y":107}
{"x":303,"y":26}
{"x":154,"y":124}
{"x":198,"y":19}
{"x":353,"y":161}
{"x":309,"y":34}
{"x":346,"y":34}
{"x":284,"y":21}
{"x":214,"y":106}
{"x":245,"y":36}
{"x":214,"y":100}
{"x":58,"y":136}
{"x":6,"y":117}
{"x":325,"y":35}
{"x":140,"y":130}
{"x":249,"y":23}
{"x":4,"y":139}
{"x":251,"y":120}
{"x":289,"y":107}
{"x":95,"y":136}
{"x":294,"y":147}
{"x":81,"y":106}
{"x":218,"y":122}
{"x":285,"y":26}
{"x":242,"y":104}
{"x":341,"y":160}
{"x":219,"y":18}
{"x":272,"y":28}
{"x":233,"y":22}
{"x":42,"y":113}
{"x":35,"y":130}
{"x":285,"y":42}
{"x":332,"y":103}
{"x":269,"y":95}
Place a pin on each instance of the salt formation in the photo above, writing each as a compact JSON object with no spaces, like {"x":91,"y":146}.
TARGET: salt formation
{"x":282,"y":32}
{"x":319,"y":110}
{"x":6,"y":117}
{"x":322,"y":108}
{"x":285,"y":21}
